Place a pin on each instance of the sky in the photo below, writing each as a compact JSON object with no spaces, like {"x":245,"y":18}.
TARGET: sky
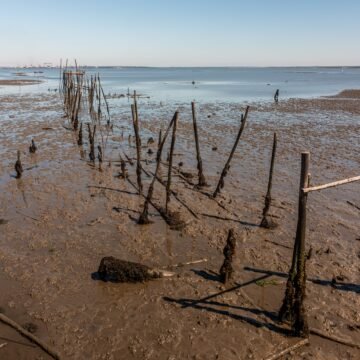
{"x":180,"y":32}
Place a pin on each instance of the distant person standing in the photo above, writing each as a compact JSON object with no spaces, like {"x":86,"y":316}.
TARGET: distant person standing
{"x":276,"y":96}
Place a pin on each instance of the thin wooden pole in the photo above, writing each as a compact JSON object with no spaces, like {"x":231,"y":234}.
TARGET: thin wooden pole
{"x":144,"y":217}
{"x":266,"y":222}
{"x":332,"y":184}
{"x":220,"y":184}
{"x":138,"y":147}
{"x":201,"y":176}
{"x":168,"y":183}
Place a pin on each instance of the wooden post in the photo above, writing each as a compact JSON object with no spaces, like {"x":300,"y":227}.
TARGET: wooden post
{"x":292,"y":308}
{"x":18,"y":166}
{"x":226,"y":269}
{"x":138,"y":146}
{"x":201,"y":176}
{"x":80,"y":136}
{"x":220,"y":184}
{"x":92,"y":142}
{"x":168,"y":184}
{"x":144,"y":217}
{"x":266,"y":222}
{"x":300,"y":319}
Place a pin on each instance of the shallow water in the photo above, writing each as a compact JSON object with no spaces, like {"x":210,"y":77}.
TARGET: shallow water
{"x":211,"y":84}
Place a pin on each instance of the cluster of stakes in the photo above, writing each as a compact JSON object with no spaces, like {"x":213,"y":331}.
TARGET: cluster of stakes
{"x":79,"y":92}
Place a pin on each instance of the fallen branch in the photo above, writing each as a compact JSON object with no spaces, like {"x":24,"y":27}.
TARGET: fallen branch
{"x":335,"y":183}
{"x":288,"y":350}
{"x":31,"y":337}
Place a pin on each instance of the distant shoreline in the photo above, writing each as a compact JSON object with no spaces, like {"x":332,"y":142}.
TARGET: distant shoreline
{"x":19,"y":82}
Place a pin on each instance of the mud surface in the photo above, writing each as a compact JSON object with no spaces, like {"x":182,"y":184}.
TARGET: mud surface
{"x":64,"y":215}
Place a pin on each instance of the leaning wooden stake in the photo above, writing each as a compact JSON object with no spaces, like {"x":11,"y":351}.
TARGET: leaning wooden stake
{"x":144,"y":217}
{"x":267,"y":222}
{"x":138,"y":144}
{"x":220,"y":184}
{"x":201,"y":176}
{"x":30,"y":336}
{"x":168,"y":184}
{"x":292,"y":308}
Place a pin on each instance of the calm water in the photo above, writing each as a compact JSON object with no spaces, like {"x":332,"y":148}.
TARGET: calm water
{"x":211,"y":84}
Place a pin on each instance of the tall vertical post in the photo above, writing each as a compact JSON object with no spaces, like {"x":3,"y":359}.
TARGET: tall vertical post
{"x":293,"y":303}
{"x":138,"y":147}
{"x":168,"y":183}
{"x":201,"y":176}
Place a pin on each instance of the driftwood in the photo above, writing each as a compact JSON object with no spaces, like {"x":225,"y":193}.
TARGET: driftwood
{"x":30,"y":336}
{"x":220,"y":184}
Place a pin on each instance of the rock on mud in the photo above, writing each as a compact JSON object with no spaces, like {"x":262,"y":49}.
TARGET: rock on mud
{"x":115,"y":270}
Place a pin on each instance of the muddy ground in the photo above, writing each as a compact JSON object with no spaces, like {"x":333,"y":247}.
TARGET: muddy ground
{"x":64,"y":215}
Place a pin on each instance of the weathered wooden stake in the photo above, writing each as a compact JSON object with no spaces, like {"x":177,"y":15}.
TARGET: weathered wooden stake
{"x":292,"y":308}
{"x":32,"y":147}
{"x":226,"y":269}
{"x":138,"y":145}
{"x":92,"y":143}
{"x":80,"y":136}
{"x":201,"y":176}
{"x":18,"y":166}
{"x":144,"y":217}
{"x":267,"y":222}
{"x":168,"y":184}
{"x":220,"y":184}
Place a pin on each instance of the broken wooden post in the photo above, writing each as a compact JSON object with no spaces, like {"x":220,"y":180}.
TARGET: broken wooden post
{"x":292,"y":308}
{"x":32,"y":147}
{"x":168,"y":183}
{"x":100,"y":155}
{"x":267,"y":222}
{"x":220,"y":184}
{"x":80,"y":136}
{"x":18,"y":166}
{"x":92,"y":142}
{"x":144,"y":217}
{"x":201,"y":176}
{"x":276,"y":96}
{"x":138,"y":145}
{"x":226,"y":269}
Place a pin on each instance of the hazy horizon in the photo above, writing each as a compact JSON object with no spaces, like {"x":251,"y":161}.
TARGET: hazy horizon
{"x":233,"y":33}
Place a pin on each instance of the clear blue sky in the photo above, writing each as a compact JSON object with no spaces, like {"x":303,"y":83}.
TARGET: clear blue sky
{"x":181,"y":32}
